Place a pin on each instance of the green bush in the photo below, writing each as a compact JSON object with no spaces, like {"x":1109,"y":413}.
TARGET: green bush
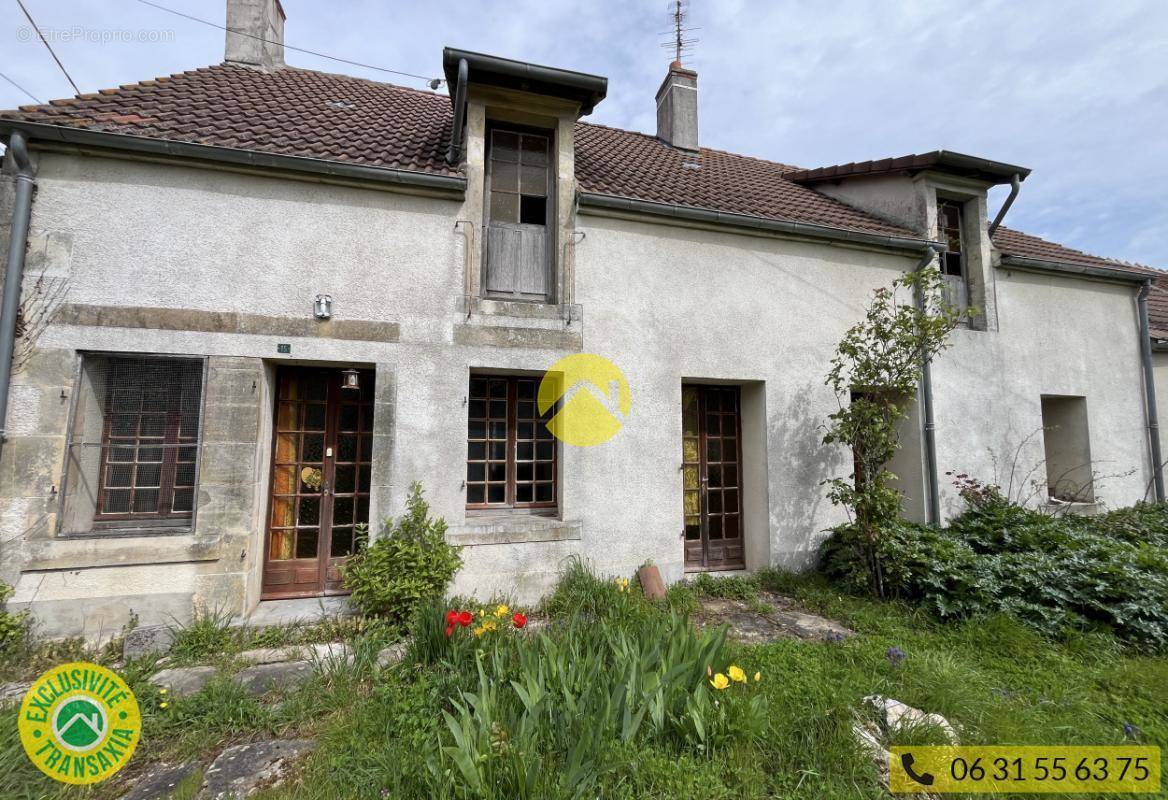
{"x":14,"y":627}
{"x":1055,"y":574}
{"x":409,"y":564}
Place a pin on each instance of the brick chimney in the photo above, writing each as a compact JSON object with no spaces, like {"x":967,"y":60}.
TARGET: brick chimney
{"x":263,"y":23}
{"x":677,"y":108}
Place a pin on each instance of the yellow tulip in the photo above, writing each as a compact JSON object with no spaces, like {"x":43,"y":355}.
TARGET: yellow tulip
{"x":502,"y":611}
{"x":489,"y":625}
{"x":163,"y":705}
{"x":720,"y":681}
{"x":479,"y":630}
{"x":757,"y":677}
{"x":736,"y":674}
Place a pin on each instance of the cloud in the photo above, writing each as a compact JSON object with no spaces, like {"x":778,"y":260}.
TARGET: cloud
{"x":1076,"y":91}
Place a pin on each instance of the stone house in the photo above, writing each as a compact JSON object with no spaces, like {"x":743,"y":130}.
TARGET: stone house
{"x":256,"y":302}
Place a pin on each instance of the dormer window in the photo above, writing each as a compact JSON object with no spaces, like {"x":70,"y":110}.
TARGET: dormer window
{"x":518,"y":241}
{"x":952,"y":226}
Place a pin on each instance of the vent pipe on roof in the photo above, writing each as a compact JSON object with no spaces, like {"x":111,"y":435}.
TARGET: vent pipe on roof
{"x":255,"y":33}
{"x":677,"y":108}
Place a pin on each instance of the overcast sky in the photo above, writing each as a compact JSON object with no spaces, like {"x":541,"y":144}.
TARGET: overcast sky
{"x":1077,"y":91}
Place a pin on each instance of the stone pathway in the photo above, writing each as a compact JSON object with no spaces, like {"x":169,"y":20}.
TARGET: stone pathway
{"x":160,"y":780}
{"x":240,"y":770}
{"x":770,"y":618}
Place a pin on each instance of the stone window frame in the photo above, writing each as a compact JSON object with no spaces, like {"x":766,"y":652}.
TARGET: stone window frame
{"x":489,"y":107}
{"x":94,"y":528}
{"x":975,"y":248}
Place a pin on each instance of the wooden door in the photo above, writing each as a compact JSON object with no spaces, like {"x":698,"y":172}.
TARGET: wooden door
{"x":712,"y":477}
{"x":321,"y":472}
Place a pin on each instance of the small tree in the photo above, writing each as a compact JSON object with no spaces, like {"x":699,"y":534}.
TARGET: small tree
{"x":876,"y":366}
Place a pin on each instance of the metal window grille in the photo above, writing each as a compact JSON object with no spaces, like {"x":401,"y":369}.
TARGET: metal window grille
{"x":134,"y":445}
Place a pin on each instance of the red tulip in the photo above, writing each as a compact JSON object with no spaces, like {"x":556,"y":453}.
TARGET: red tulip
{"x":519,"y":620}
{"x":449,"y":630}
{"x":451,"y":617}
{"x":465,"y":619}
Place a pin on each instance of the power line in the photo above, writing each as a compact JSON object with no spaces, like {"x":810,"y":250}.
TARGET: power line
{"x":21,"y":88}
{"x":47,"y":45}
{"x":434,"y":82}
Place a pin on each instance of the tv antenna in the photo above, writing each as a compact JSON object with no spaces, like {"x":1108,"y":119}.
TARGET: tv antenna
{"x":678,"y":42}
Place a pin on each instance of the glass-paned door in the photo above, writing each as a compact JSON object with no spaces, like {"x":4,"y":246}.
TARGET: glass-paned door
{"x":712,"y":477}
{"x":321,"y":473}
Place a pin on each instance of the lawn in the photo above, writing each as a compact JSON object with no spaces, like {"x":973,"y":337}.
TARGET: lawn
{"x":382,"y":732}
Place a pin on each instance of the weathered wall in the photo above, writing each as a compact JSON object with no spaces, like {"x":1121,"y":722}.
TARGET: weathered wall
{"x":174,"y":260}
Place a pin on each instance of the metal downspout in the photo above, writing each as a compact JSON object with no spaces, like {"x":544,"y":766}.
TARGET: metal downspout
{"x":14,"y":275}
{"x":1150,"y":392}
{"x":1015,"y":187}
{"x":927,"y":403}
{"x":459,"y":113}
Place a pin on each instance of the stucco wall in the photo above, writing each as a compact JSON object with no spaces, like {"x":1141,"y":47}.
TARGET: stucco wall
{"x":666,"y":304}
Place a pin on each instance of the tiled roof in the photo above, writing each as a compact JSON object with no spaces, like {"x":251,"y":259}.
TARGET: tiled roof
{"x":1023,"y":245}
{"x":290,"y":111}
{"x":627,"y":164}
{"x":311,"y":114}
{"x":320,"y":115}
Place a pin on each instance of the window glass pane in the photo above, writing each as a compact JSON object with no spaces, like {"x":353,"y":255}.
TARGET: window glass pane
{"x":475,"y":493}
{"x":505,"y":177}
{"x":504,"y":146}
{"x":306,"y":542}
{"x":535,"y":150}
{"x":534,"y":180}
{"x":504,"y":207}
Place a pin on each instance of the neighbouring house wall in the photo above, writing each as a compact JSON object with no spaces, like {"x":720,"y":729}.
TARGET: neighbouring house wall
{"x":168,"y":259}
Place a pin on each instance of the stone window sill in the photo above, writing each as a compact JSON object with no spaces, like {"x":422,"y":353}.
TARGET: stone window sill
{"x":512,"y":529}
{"x":518,"y":312}
{"x":119,"y":550}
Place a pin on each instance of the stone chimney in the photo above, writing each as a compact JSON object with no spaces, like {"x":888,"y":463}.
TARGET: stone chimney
{"x":677,"y":108}
{"x":262,"y":22}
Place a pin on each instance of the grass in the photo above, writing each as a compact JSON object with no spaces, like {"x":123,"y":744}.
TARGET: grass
{"x":379,"y":731}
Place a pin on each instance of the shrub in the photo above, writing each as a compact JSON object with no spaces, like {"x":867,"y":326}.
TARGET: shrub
{"x":1054,"y":574}
{"x":14,"y":626}
{"x":408,"y":565}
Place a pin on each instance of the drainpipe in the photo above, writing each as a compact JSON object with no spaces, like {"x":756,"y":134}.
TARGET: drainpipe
{"x":931,"y":250}
{"x":14,"y":275}
{"x":1150,"y":392}
{"x":459,"y":113}
{"x":1015,"y":187}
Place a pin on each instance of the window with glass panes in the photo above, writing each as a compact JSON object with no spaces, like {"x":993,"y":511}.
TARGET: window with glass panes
{"x":149,"y":440}
{"x":511,"y":454}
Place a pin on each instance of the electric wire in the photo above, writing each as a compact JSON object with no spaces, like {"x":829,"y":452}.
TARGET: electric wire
{"x":35,"y":99}
{"x":433,"y":82}
{"x":45,"y":41}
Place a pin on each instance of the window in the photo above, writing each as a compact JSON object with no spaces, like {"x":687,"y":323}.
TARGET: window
{"x":1067,"y":443}
{"x":511,"y":454}
{"x":134,"y":443}
{"x":517,"y":263}
{"x":952,"y":225}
